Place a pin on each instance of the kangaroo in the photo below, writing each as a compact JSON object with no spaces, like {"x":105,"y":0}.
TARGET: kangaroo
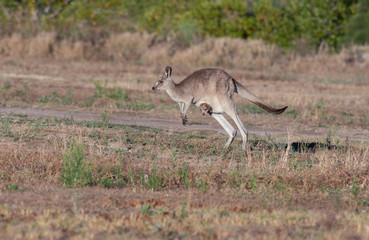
{"x":212,"y":90}
{"x":206,"y":108}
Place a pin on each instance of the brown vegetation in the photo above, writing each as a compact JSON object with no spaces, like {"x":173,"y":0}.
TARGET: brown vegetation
{"x":145,"y":49}
{"x":313,"y":193}
{"x":141,"y":182}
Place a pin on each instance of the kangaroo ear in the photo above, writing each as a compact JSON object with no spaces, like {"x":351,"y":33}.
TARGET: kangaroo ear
{"x":168,"y":71}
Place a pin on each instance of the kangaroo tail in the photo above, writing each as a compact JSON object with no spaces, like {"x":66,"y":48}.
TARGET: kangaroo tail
{"x":243,"y":92}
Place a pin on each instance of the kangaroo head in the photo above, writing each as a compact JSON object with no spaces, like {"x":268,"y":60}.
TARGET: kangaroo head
{"x":164,"y":81}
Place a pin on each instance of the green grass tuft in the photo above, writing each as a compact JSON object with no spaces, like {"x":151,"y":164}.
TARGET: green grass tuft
{"x":75,"y":171}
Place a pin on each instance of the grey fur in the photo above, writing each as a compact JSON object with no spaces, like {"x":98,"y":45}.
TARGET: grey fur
{"x":215,"y":88}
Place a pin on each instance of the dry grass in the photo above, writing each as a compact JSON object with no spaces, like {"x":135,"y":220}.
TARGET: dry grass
{"x":220,"y":224}
{"x":216,"y":52}
{"x":128,"y":46}
{"x":35,"y":145}
{"x":227,"y":52}
{"x":204,"y":192}
{"x":154,"y":183}
{"x":322,"y":99}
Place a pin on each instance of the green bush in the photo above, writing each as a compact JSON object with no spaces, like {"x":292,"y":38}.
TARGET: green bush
{"x":275,"y":24}
{"x":289,"y":23}
{"x":358,"y":26}
{"x":75,"y":171}
{"x":154,"y":182}
{"x":185,"y":20}
{"x":316,"y":23}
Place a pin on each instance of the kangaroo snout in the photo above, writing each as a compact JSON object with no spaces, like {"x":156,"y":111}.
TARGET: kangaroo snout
{"x":155,"y":87}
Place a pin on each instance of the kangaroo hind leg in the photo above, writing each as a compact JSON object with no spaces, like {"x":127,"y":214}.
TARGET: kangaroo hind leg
{"x":230,"y":109}
{"x":227,"y":127}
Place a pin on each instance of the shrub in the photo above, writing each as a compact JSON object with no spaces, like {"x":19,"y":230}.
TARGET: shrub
{"x":289,"y":23}
{"x":357,"y":29}
{"x":75,"y":171}
{"x":317,"y":23}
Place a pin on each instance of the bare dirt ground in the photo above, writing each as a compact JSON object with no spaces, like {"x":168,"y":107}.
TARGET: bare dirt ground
{"x":149,"y":177}
{"x":320,"y":103}
{"x":176,"y":125}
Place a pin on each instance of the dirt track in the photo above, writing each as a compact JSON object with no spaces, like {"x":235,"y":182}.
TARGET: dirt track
{"x":351,"y":134}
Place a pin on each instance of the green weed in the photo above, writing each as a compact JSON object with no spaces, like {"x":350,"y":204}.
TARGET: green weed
{"x":115,"y":94}
{"x":131,"y":176}
{"x":98,"y":89}
{"x":126,"y":96}
{"x":201,"y":184}
{"x":184,"y":174}
{"x":147,"y":209}
{"x":252,"y":182}
{"x":11,"y":187}
{"x":355,"y":188}
{"x":279,"y":186}
{"x":67,"y":99}
{"x":203,"y":187}
{"x":291,"y":112}
{"x":184,"y":209}
{"x":173,"y":158}
{"x":142,"y":177}
{"x":54,"y":98}
{"x":118,"y":104}
{"x":43,"y":99}
{"x":106,"y":182}
{"x":5,"y":122}
{"x":154,"y":182}
{"x":37,"y":126}
{"x":75,"y":171}
{"x":105,"y":119}
{"x":7,"y":86}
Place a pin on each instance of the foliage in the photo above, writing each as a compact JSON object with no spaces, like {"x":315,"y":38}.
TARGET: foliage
{"x":11,"y":187}
{"x":317,"y":23}
{"x":274,"y":24}
{"x":188,"y":18}
{"x":289,"y":23}
{"x":357,"y":29}
{"x":154,"y":182}
{"x":75,"y":171}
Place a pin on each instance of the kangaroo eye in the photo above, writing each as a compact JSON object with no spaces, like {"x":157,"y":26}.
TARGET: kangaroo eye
{"x":161,"y":81}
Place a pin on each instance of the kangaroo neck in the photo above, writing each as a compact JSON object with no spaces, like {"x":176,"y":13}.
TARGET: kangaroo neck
{"x":174,"y":92}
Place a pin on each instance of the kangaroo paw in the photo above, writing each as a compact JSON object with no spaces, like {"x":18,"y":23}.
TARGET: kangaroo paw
{"x":184,"y":120}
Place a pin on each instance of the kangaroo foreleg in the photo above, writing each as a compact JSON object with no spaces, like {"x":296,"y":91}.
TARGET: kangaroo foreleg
{"x":183,"y":107}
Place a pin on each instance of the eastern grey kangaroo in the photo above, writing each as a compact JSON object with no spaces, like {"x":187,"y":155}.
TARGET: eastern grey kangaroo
{"x":212,"y":90}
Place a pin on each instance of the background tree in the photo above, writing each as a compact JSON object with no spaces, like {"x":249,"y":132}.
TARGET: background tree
{"x":358,"y":26}
{"x":312,"y":24}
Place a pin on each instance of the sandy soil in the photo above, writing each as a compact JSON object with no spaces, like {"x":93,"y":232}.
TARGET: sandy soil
{"x":172,"y":125}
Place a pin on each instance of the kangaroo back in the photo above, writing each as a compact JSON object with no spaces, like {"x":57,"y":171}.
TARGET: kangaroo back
{"x":244,"y":92}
